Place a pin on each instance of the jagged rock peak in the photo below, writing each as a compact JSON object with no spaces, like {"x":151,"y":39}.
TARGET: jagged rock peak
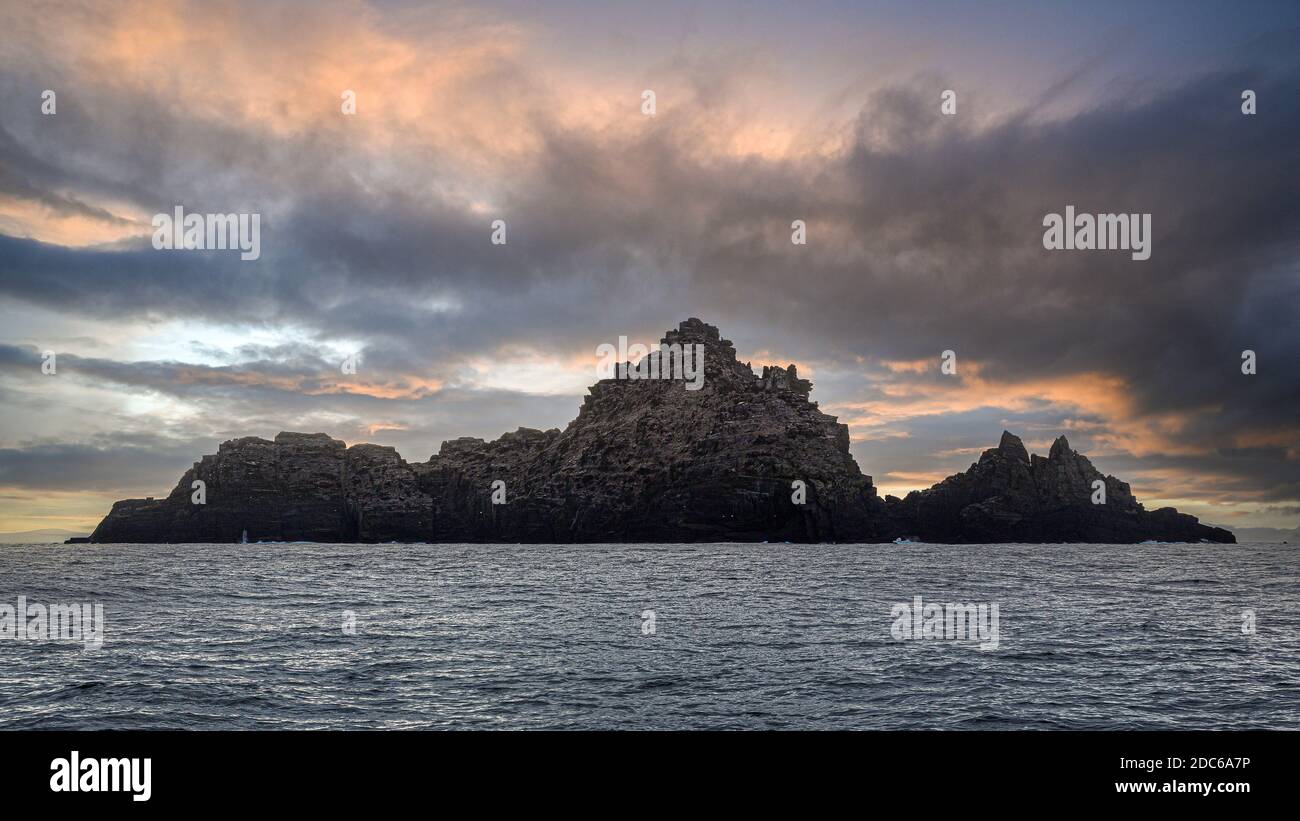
{"x":1011,"y":446}
{"x":784,"y":379}
{"x":1061,"y":447}
{"x":694,"y":330}
{"x":1009,"y":449}
{"x":720,"y":358}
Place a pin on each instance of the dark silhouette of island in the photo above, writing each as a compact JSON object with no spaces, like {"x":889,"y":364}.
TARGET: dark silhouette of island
{"x":646,"y":460}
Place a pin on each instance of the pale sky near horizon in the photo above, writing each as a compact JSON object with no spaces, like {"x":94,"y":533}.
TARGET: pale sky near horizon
{"x":924,"y":229}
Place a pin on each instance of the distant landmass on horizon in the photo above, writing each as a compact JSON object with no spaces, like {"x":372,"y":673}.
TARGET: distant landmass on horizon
{"x":734,"y":457}
{"x":51,"y":535}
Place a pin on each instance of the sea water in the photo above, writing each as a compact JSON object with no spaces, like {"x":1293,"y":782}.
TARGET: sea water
{"x":706,"y":636}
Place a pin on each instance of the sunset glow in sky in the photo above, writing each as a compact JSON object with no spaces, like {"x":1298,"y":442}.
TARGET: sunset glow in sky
{"x":924,"y":230}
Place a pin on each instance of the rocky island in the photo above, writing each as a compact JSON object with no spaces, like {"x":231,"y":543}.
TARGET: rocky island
{"x":646,"y":460}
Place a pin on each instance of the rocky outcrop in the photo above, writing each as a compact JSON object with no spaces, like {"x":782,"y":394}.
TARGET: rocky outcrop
{"x":1010,"y":496}
{"x":652,"y":460}
{"x":299,"y":487}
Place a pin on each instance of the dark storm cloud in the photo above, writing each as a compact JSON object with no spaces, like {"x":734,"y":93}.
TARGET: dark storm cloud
{"x":924,"y":235}
{"x":126,"y":464}
{"x":936,"y":240}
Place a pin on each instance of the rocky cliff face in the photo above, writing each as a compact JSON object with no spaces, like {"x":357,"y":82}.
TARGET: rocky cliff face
{"x":645,"y":460}
{"x":300,"y":487}
{"x":1010,"y":496}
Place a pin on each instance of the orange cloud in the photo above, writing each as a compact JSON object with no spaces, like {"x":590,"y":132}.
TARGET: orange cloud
{"x":38,"y":221}
{"x":1095,"y":394}
{"x":403,"y":387}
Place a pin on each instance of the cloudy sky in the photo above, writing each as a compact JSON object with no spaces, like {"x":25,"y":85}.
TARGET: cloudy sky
{"x":924,"y":230}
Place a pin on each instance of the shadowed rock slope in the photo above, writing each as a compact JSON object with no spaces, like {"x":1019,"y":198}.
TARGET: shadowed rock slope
{"x":645,"y":460}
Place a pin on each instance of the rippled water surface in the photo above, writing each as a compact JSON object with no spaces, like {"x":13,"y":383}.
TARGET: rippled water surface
{"x":746,"y":636}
